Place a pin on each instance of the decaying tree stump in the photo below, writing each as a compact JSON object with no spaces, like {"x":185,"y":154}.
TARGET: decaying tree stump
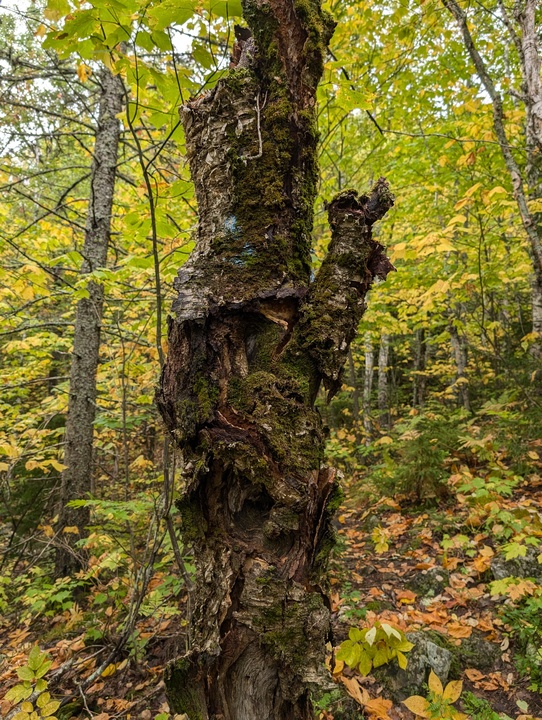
{"x":251,"y":342}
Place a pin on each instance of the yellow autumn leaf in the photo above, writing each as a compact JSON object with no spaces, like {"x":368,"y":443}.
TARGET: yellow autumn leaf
{"x":109,"y":670}
{"x":71,"y":530}
{"x":83,"y":72}
{"x":58,"y":466}
{"x":434,"y":684}
{"x":453,"y":690}
{"x":418,"y":705}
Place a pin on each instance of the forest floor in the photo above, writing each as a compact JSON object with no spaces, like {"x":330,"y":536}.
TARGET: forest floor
{"x":430,"y":570}
{"x":417,"y":569}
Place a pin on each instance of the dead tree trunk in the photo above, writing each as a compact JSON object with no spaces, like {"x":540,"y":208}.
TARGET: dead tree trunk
{"x":250,"y":344}
{"x":77,"y":478}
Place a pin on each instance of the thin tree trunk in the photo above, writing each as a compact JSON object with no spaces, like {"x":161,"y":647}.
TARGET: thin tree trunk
{"x":368,"y":385}
{"x":383,"y":400}
{"x":250,"y":343}
{"x":77,"y":478}
{"x":532,"y":89}
{"x":352,"y":379}
{"x":527,"y":45}
{"x":420,"y":361}
{"x":459,"y":347}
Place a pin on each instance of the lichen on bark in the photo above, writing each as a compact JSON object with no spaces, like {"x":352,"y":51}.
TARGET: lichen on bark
{"x":248,"y":348}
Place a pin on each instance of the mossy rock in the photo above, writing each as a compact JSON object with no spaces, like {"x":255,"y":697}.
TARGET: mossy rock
{"x":473,"y":652}
{"x":521,"y":567}
{"x":425,"y":656}
{"x":429,"y":582}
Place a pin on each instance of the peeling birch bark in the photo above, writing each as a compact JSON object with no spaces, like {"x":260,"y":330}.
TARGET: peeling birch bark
{"x":251,"y":342}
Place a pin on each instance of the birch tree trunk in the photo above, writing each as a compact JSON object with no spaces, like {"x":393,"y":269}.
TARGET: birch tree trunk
{"x":352,"y":379}
{"x":525,"y":37}
{"x":532,"y":89}
{"x":368,"y":384}
{"x":77,"y":478}
{"x":383,"y":400}
{"x":251,"y":341}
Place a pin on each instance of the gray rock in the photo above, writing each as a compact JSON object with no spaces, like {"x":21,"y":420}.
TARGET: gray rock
{"x":522,"y":567}
{"x":424,"y":657}
{"x":477,"y":652}
{"x":429,"y":582}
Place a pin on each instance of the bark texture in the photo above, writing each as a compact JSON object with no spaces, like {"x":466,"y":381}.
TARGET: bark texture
{"x":383,"y":399}
{"x":368,"y":386}
{"x":251,"y":342}
{"x":77,"y":478}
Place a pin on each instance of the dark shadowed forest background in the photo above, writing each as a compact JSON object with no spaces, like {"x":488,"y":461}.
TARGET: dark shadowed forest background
{"x":436,"y":579}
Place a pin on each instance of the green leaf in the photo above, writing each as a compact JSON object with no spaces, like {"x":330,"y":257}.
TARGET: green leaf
{"x":43,"y":699}
{"x":35,"y":658}
{"x":382,"y":656}
{"x":404,"y":646}
{"x":226,"y":8}
{"x":171,"y":12}
{"x":349,"y":652}
{"x":356,"y":635}
{"x":25,"y":673}
{"x":161,"y":40}
{"x":50,"y":708}
{"x":56,"y":9}
{"x":18,"y":693}
{"x":44,"y":668}
{"x":41,"y":685}
{"x":402,"y":660}
{"x":364,"y":664}
{"x":144,"y":40}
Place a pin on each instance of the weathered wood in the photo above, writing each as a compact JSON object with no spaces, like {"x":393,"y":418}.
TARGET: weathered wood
{"x":250,"y":343}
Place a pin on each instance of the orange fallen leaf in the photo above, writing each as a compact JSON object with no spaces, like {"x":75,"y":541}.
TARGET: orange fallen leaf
{"x":458,"y":630}
{"x":406,"y":597}
{"x":353,"y":689}
{"x":378,"y":708}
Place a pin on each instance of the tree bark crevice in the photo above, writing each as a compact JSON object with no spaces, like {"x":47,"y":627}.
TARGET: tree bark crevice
{"x":251,"y":341}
